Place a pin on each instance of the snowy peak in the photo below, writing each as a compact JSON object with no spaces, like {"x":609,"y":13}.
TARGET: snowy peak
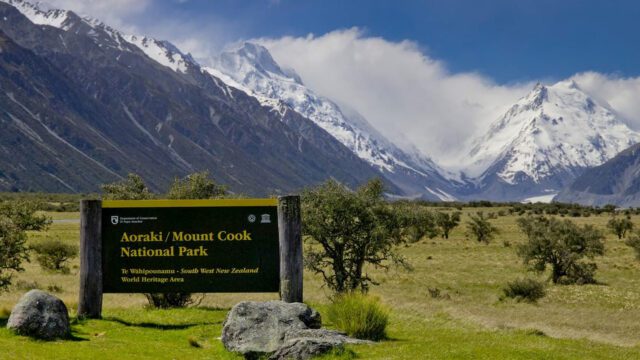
{"x":251,"y":68}
{"x":250,"y":59}
{"x":162,"y":52}
{"x":554,"y":129}
{"x":37,"y":15}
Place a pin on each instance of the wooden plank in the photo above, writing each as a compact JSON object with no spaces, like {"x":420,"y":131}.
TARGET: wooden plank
{"x":90,"y":297}
{"x":290,"y":236}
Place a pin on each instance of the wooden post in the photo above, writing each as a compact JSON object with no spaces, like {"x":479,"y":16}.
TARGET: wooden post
{"x":290,"y":233}
{"x":90,"y":300}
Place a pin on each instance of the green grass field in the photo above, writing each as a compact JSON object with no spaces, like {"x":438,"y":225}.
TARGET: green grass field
{"x":462,"y":317}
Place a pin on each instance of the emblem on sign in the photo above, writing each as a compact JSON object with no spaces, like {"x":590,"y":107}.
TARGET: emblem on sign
{"x":252,"y":218}
{"x":114,"y":219}
{"x":266,"y":219}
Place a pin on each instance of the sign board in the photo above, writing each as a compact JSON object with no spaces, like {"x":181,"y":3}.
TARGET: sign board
{"x":190,"y":246}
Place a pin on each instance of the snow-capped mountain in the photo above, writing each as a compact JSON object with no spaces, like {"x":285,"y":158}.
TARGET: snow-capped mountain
{"x":545,"y":141}
{"x":83,"y":104}
{"x":251,"y":68}
{"x":163,"y":52}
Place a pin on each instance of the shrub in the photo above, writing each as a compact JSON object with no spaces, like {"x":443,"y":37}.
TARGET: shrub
{"x":132,"y":188}
{"x":561,"y":244}
{"x":24,"y":215}
{"x":359,"y":316}
{"x":196,"y":186}
{"x":347,"y":230}
{"x":24,"y":285}
{"x":12,"y":250}
{"x":54,"y":254}
{"x":417,"y":222}
{"x":171,"y":300}
{"x":525,"y":290}
{"x":619,"y":227}
{"x":479,"y":227}
{"x":634,"y":242}
{"x":447,"y":222}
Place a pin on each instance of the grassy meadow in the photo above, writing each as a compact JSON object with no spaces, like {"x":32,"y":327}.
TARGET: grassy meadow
{"x":448,"y":307}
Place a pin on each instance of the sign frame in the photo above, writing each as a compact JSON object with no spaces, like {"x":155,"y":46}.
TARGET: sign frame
{"x":91,"y":251}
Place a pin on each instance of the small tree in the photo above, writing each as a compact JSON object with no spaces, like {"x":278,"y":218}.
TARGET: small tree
{"x":12,"y":250}
{"x":24,"y":215}
{"x":417,"y":222}
{"x":53,"y":254}
{"x":16,"y":217}
{"x":481,"y":228}
{"x":346,"y":230}
{"x":447,"y":222}
{"x":132,"y":188}
{"x":196,"y":186}
{"x":620,"y":226}
{"x":560,"y":244}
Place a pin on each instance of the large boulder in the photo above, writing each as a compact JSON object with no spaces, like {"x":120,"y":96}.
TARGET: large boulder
{"x":261,"y":327}
{"x":284,"y":330}
{"x":40,"y":315}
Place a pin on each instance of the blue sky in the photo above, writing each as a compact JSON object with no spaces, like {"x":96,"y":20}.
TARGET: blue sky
{"x":506,"y":40}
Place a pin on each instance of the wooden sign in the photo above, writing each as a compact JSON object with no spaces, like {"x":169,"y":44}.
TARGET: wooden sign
{"x":190,"y":246}
{"x":239,"y":245}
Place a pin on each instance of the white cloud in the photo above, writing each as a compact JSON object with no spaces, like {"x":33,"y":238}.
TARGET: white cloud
{"x":622,"y":94}
{"x":401,"y":91}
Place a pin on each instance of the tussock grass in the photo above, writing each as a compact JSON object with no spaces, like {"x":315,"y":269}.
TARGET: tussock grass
{"x":358,"y":315}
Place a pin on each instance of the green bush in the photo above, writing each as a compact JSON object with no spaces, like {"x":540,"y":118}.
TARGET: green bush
{"x":12,"y":250}
{"x":359,"y":315}
{"x":54,"y":254}
{"x":561,"y":244}
{"x":480,"y":228}
{"x":525,"y":290}
{"x":634,"y":242}
{"x":620,"y":226}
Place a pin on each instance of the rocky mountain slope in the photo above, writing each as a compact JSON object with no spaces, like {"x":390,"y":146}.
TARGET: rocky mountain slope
{"x":251,"y":68}
{"x":543,"y":142}
{"x":617,"y":181}
{"x":83,"y":104}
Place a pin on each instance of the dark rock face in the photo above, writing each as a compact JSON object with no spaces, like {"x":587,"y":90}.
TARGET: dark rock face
{"x":614,"y":182}
{"x":284,"y":330}
{"x":41,"y":316}
{"x":82,"y":106}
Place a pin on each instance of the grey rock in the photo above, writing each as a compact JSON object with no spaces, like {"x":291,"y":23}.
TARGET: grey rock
{"x":261,"y":327}
{"x":305,"y":348}
{"x":285,"y":330}
{"x":40,"y":315}
{"x":305,"y":344}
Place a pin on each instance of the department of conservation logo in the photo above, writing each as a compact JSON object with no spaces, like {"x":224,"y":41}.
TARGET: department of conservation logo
{"x":115,"y":219}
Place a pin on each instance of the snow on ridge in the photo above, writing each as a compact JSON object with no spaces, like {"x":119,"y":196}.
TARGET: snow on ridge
{"x":159,"y":52}
{"x":162,"y":52}
{"x":443,"y":196}
{"x":39,"y":16}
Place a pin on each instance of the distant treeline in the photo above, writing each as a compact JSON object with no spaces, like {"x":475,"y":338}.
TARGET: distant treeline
{"x":49,"y":201}
{"x":70,"y":202}
{"x":516,"y":208}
